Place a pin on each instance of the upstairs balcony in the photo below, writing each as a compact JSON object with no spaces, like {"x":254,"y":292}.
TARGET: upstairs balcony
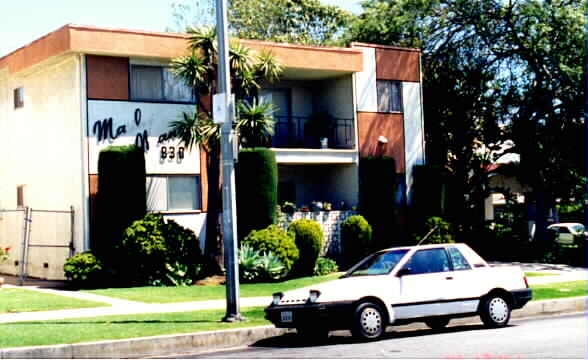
{"x":318,"y":132}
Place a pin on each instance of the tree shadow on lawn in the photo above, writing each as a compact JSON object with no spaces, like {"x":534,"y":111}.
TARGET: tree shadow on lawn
{"x":341,"y":337}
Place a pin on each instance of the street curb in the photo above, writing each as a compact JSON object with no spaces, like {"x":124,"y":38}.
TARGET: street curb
{"x":210,"y":340}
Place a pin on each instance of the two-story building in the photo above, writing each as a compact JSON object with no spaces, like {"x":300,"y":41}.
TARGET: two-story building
{"x":71,"y":93}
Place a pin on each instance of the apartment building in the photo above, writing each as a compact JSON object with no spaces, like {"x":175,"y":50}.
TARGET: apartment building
{"x":66,"y":96}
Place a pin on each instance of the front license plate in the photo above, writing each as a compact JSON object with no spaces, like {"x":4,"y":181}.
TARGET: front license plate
{"x":286,"y":316}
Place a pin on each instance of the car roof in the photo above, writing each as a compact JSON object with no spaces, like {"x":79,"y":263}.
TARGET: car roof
{"x":429,"y":246}
{"x":565,"y":224}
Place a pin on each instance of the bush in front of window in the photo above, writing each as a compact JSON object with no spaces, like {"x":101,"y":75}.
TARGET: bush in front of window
{"x":356,"y":238}
{"x":256,"y":175}
{"x":84,"y":271}
{"x":275,"y":240}
{"x":159,"y":252}
{"x":308,"y":236}
{"x":121,"y":197}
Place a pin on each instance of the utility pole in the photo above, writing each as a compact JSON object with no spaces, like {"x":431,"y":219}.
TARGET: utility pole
{"x":227,"y":109}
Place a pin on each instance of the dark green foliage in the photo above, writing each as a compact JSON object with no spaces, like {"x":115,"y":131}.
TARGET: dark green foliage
{"x":437,"y":231}
{"x":159,"y":252}
{"x":309,"y":241}
{"x":356,"y":239}
{"x":429,"y":191}
{"x":83,"y":270}
{"x":256,"y":176}
{"x":275,"y":240}
{"x":256,"y":266}
{"x":377,"y":186}
{"x":121,"y":196}
{"x":325,"y":266}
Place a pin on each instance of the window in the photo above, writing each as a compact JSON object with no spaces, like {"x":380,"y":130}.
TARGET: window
{"x":158,"y":83}
{"x":458,"y":260}
{"x":18,"y":97}
{"x":173,"y":193}
{"x":20,"y":196}
{"x":389,"y":94}
{"x":429,"y":261}
{"x":379,"y":264}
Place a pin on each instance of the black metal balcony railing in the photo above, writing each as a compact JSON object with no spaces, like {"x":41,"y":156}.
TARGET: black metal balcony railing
{"x":289,"y":132}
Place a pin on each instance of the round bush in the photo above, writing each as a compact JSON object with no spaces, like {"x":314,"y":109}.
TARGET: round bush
{"x":325,"y":266}
{"x":83,"y":270}
{"x":159,"y":252}
{"x":356,"y":238}
{"x":309,"y":241}
{"x":275,"y":240}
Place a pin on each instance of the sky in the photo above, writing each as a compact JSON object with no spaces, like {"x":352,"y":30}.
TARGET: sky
{"x":23,"y":21}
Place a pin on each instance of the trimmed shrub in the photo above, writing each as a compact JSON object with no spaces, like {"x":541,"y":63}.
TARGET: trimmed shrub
{"x":439,"y":231}
{"x":377,"y":196}
{"x":325,"y":266}
{"x":121,"y":197}
{"x":275,"y":240}
{"x":356,"y":238}
{"x":159,"y":252}
{"x":257,"y":267}
{"x":308,"y":237}
{"x":256,"y":176}
{"x":83,"y":270}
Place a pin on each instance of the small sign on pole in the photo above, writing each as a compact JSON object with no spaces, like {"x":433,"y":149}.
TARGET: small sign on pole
{"x":223,"y":107}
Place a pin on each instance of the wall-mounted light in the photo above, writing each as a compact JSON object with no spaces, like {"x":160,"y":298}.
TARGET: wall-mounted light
{"x":382,"y":139}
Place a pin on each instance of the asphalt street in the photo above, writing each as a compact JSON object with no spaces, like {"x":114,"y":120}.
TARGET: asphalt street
{"x":552,"y":337}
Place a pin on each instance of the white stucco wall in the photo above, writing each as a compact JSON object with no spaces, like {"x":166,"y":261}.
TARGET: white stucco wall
{"x":414,"y":136}
{"x":41,"y":146}
{"x":154,"y":119}
{"x":365,"y":82}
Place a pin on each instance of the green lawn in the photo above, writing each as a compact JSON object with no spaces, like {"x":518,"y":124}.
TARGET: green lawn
{"x":560,"y":290}
{"x":156,"y":295}
{"x":535,"y":274}
{"x":14,"y":300}
{"x":120,"y":327}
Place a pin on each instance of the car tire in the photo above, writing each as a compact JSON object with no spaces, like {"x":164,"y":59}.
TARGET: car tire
{"x":369,"y":321}
{"x":437,"y":323}
{"x":495,"y":311}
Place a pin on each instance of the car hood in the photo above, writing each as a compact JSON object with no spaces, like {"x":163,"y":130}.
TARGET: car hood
{"x":345,"y":289}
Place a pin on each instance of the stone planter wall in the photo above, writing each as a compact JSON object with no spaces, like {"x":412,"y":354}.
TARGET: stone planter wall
{"x":330,"y":222}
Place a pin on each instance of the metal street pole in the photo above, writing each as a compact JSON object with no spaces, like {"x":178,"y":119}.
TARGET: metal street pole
{"x":227,"y":136}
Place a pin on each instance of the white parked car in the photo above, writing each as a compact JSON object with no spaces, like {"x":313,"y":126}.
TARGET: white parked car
{"x":428,"y":283}
{"x":565,"y":233}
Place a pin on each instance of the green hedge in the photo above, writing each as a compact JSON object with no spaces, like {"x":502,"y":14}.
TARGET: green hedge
{"x":377,"y":191}
{"x":308,"y":237}
{"x":356,"y":239}
{"x":121,"y":196}
{"x":275,"y":240}
{"x":256,"y":179}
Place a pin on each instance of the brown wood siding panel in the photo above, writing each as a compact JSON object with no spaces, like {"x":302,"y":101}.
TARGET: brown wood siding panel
{"x":108,"y":77}
{"x":373,"y":125}
{"x":393,"y":64}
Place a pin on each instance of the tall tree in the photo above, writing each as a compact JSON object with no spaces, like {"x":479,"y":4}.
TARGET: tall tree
{"x":496,"y":69}
{"x":293,"y":21}
{"x":199,"y":70}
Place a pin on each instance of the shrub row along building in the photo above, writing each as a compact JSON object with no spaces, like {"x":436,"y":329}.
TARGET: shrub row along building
{"x":68,"y":95}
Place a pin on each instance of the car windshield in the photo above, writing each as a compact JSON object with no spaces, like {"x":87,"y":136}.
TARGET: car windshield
{"x":378,"y":264}
{"x":578,"y":228}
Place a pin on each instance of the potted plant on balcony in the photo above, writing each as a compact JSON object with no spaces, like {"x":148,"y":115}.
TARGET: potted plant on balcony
{"x":320,"y":126}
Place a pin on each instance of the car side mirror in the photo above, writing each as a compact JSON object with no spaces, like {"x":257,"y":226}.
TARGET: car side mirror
{"x":404,"y":271}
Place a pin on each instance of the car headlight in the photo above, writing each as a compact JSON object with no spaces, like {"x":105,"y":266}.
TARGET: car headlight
{"x":277,"y":297}
{"x":314,"y":295}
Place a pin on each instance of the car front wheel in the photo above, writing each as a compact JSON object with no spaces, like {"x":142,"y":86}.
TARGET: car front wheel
{"x":495,"y":311}
{"x":369,"y":321}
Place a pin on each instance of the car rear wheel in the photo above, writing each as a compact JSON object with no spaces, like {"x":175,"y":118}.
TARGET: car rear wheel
{"x":495,"y":311}
{"x":437,"y":323}
{"x":369,"y":321}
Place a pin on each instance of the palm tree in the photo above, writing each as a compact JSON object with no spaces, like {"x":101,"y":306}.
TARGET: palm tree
{"x":199,"y":71}
{"x":255,"y":125}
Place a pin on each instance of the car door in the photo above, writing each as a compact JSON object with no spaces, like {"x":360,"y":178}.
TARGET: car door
{"x":423,"y":284}
{"x":465,"y":285}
